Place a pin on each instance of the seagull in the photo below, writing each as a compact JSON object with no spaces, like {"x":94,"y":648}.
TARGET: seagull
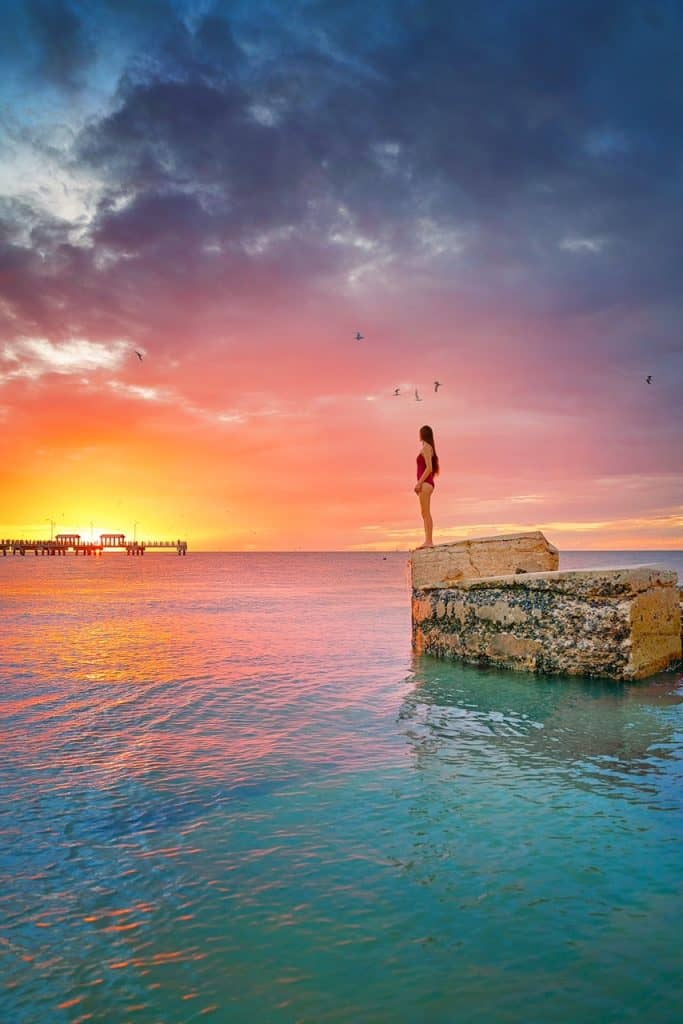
{"x":138,"y":354}
{"x":437,"y":385}
{"x":648,"y":379}
{"x":417,"y":396}
{"x":359,"y":336}
{"x":397,"y":392}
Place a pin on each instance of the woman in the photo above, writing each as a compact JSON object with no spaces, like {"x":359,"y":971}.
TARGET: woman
{"x":427,"y":468}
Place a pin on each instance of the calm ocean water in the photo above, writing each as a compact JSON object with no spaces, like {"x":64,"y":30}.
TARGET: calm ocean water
{"x":228,"y":792}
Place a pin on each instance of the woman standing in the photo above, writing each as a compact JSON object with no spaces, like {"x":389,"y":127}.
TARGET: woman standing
{"x":427,"y":468}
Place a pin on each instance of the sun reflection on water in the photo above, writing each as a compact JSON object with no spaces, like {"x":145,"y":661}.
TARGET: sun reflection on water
{"x":229,"y":791}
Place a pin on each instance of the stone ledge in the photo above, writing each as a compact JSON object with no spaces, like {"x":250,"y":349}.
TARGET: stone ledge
{"x":469,"y":541}
{"x":483,"y":557}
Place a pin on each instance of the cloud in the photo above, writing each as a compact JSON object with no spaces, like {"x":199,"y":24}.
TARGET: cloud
{"x":47,"y":39}
{"x":457,"y":149}
{"x":34,"y":357}
{"x":582,"y":244}
{"x":493,"y":199}
{"x":145,"y":393}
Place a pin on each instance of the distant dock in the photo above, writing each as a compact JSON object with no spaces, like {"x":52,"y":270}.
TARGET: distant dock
{"x":63,"y":543}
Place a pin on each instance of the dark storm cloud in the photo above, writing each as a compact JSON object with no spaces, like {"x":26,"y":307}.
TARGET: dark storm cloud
{"x":47,"y":39}
{"x":548,"y":133}
{"x":191,"y":134}
{"x":215,"y":43}
{"x":64,"y":46}
{"x":487,"y":106}
{"x":151,"y":219}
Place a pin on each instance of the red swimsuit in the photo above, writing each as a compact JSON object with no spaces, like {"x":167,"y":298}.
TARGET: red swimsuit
{"x":421,"y":466}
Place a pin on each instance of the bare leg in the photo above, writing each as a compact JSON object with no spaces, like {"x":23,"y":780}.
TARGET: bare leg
{"x":425,"y":497}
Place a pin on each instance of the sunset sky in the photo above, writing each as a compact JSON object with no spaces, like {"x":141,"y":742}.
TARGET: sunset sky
{"x":490,"y":192}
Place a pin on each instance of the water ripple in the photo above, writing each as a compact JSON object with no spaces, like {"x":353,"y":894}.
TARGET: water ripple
{"x":228,"y":792}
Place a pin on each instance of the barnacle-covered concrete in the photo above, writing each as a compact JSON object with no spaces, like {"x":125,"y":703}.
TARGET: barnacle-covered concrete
{"x":615,"y":623}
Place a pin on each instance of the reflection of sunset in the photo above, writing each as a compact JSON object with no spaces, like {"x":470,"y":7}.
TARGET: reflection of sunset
{"x":144,"y":669}
{"x":230,"y":766}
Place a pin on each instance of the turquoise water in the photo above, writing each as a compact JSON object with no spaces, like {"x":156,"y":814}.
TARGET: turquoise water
{"x":230,"y":793}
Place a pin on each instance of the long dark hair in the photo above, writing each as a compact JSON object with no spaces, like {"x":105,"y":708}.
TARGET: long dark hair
{"x":427,"y":434}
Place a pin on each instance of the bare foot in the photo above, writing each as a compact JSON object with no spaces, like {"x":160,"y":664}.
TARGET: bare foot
{"x":425,"y":545}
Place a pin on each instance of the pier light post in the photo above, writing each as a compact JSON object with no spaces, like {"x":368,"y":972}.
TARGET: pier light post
{"x":52,"y":527}
{"x":135,"y":532}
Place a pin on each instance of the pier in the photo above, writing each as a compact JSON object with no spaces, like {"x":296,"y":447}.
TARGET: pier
{"x":63,"y":543}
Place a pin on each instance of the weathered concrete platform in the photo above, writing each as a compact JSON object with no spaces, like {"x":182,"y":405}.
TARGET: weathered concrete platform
{"x":613,"y":623}
{"x":483,"y":556}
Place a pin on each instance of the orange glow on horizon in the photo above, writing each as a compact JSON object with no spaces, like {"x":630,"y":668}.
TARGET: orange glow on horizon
{"x":322,"y":456}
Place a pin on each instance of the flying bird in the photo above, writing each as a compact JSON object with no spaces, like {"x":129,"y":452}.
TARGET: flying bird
{"x":648,"y":379}
{"x":138,"y":354}
{"x":417,"y":396}
{"x":437,"y":385}
{"x":397,"y":392}
{"x":359,"y":336}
